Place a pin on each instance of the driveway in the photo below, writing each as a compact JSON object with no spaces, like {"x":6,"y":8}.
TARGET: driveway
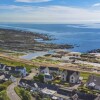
{"x":11,"y":93}
{"x":32,"y":74}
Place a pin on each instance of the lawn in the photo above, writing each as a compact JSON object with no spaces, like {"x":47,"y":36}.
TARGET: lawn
{"x":3,"y":87}
{"x":23,"y":94}
{"x":10,"y":62}
{"x":3,"y":95}
{"x":45,"y":60}
{"x":86,"y":75}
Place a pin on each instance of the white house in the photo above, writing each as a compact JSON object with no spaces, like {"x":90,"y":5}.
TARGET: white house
{"x":10,"y":78}
{"x":93,"y":82}
{"x":70,"y":76}
{"x":49,"y":70}
{"x":2,"y":77}
{"x":43,"y":70}
{"x":22,"y":70}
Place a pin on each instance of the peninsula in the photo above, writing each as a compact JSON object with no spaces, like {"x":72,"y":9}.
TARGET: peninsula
{"x":24,"y":41}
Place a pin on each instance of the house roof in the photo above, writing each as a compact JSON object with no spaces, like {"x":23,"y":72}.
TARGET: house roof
{"x":1,"y":66}
{"x":14,"y":72}
{"x":53,"y":68}
{"x":40,"y":85}
{"x":70,"y":72}
{"x":50,"y":68}
{"x":7,"y":68}
{"x":7,"y":76}
{"x":2,"y":76}
{"x":42,"y":67}
{"x":19,"y":67}
{"x":75,"y":97}
{"x":12,"y":68}
{"x":94,"y":80}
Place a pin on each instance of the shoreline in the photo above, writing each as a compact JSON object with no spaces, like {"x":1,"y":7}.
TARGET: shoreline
{"x":20,"y":40}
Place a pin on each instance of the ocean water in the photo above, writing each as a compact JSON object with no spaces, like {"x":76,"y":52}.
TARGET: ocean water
{"x":84,"y":37}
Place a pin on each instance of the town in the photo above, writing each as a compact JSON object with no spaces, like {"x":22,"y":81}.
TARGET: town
{"x":49,"y":49}
{"x":48,"y":83}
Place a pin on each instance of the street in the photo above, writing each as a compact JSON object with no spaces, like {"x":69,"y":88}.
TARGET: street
{"x":11,"y":93}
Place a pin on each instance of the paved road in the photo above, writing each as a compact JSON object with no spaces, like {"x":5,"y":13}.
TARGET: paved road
{"x":11,"y":93}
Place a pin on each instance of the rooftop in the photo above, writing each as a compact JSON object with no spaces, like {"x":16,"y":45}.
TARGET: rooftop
{"x":93,"y":79}
{"x":48,"y":92}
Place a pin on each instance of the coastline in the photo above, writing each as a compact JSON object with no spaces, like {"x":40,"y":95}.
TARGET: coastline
{"x":25,"y":41}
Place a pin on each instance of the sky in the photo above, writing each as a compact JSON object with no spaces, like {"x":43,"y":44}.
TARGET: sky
{"x":50,"y":11}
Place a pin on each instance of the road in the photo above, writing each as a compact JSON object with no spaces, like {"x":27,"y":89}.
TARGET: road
{"x":11,"y":93}
{"x":10,"y":90}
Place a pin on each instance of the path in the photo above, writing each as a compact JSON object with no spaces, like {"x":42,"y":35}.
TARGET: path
{"x":11,"y":93}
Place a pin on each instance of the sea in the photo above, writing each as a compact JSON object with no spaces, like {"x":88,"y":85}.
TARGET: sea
{"x":84,"y":37}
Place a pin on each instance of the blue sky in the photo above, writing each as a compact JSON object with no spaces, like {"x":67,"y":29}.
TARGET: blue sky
{"x":50,"y":11}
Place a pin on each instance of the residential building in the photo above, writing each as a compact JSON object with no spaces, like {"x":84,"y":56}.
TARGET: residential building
{"x":2,"y":67}
{"x":22,"y":70}
{"x":70,"y":76}
{"x":48,"y":77}
{"x":93,"y":82}
{"x":49,"y":70}
{"x":9,"y":77}
{"x":43,"y":70}
{"x":2,"y":76}
{"x":53,"y":70}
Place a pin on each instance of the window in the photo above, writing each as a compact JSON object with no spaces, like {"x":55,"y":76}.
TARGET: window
{"x":72,"y":81}
{"x":72,"y":78}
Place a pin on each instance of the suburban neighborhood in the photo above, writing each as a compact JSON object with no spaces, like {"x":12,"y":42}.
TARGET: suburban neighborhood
{"x":51,"y":83}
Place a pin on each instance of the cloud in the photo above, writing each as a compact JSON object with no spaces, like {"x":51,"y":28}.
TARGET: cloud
{"x":96,"y":5}
{"x":32,"y":1}
{"x":48,"y":14}
{"x":14,"y":7}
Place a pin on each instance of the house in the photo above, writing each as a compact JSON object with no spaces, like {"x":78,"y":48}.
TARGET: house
{"x":2,"y":67}
{"x":25,"y":83}
{"x":43,"y":70}
{"x":53,"y":70}
{"x":9,"y":77}
{"x":1,"y":76}
{"x":34,"y":84}
{"x":15,"y":73}
{"x":48,"y":77}
{"x":70,"y":76}
{"x":49,"y":70}
{"x":22,"y":70}
{"x":48,"y":92}
{"x":75,"y":97}
{"x":93,"y":82}
{"x":9,"y":68}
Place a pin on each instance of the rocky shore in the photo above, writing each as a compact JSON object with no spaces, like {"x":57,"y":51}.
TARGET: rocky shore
{"x":94,"y":51}
{"x":25,"y":41}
